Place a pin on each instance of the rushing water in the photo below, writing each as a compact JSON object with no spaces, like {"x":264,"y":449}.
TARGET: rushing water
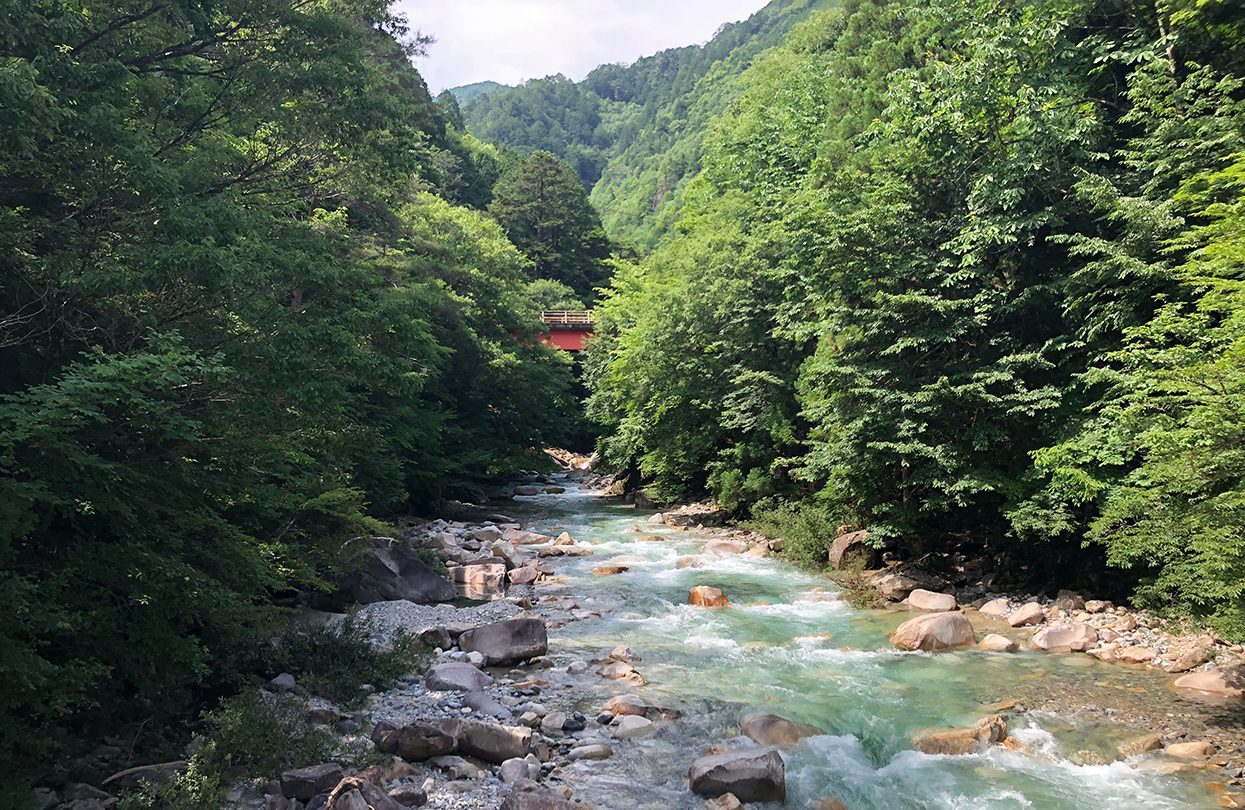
{"x":788,"y":645}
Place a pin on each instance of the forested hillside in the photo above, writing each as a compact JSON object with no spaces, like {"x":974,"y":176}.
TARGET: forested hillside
{"x":965,"y":274}
{"x":250,"y":302}
{"x":633,"y":132}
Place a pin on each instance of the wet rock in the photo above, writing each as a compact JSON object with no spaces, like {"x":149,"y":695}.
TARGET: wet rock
{"x":610,"y":570}
{"x":528,"y":795}
{"x":564,"y":539}
{"x":507,"y":642}
{"x":922,"y":599}
{"x":770,"y":729}
{"x":852,"y":550}
{"x":1141,"y":745}
{"x":1070,"y":637}
{"x":631,"y":726}
{"x":1228,"y":682}
{"x":724,"y":547}
{"x":996,"y":643}
{"x":936,"y":631}
{"x":306,"y":783}
{"x":621,"y":671}
{"x":623,"y":653}
{"x":519,"y":537}
{"x":456,"y":677}
{"x":1199,"y":749}
{"x":963,"y":741}
{"x":527,"y":490}
{"x":1026,"y":614}
{"x":688,"y":562}
{"x":706,"y":596}
{"x":591,"y":751}
{"x":634,"y":705}
{"x":553,"y":722}
{"x":997,"y":608}
{"x":751,"y":774}
{"x":554,"y":490}
{"x":727,"y":801}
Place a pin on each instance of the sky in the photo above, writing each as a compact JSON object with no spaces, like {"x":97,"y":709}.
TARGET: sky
{"x":510,"y":41}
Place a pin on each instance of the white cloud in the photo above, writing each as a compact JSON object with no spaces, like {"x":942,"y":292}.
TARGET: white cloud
{"x":510,"y":41}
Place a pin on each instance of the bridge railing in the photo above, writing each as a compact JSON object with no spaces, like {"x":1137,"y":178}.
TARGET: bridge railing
{"x":567,"y":317}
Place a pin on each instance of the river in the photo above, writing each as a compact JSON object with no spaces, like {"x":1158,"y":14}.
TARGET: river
{"x":790,"y":646}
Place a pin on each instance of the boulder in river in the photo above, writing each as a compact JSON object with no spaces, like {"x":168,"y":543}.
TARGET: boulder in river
{"x":770,"y":729}
{"x":1071,"y":637}
{"x":962,"y":741}
{"x":631,"y":725}
{"x":996,"y":643}
{"x":997,"y":608}
{"x":1226,"y":682}
{"x":852,"y":550}
{"x":1028,"y":613}
{"x":482,"y":578}
{"x":752,"y":774}
{"x":527,"y":490}
{"x":391,"y":571}
{"x":635,"y":705}
{"x":724,"y":547}
{"x":706,"y":596}
{"x":507,"y":642}
{"x":456,"y":677}
{"x":922,"y":599}
{"x":935,"y":631}
{"x":687,"y":562}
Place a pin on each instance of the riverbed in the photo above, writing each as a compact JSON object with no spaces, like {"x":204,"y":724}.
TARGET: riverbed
{"x":790,"y":645}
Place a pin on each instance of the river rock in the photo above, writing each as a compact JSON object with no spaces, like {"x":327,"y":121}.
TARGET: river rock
{"x":1228,"y":682}
{"x":1072,"y":637}
{"x":1028,"y":613}
{"x":894,"y":585}
{"x":554,"y":490}
{"x":631,"y":726}
{"x":1141,"y":745}
{"x":408,"y":794}
{"x":851,"y":551}
{"x":688,"y":562}
{"x":417,"y":741}
{"x":705,"y":596}
{"x":591,"y":751}
{"x":635,"y":705}
{"x":456,"y":677}
{"x":727,"y":801}
{"x":963,"y":741}
{"x":391,"y":571}
{"x":528,"y":795}
{"x":1069,"y":601}
{"x":752,"y":774}
{"x":1096,"y":606}
{"x":1135,"y":655}
{"x":519,"y":537}
{"x":724,"y":547}
{"x":1199,"y":749}
{"x":998,"y":608}
{"x":507,"y":642}
{"x":996,"y":643}
{"x":353,"y":793}
{"x":936,"y":631}
{"x":494,"y":743}
{"x":481,"y":578}
{"x":484,"y":534}
{"x":922,"y":599}
{"x":621,"y":671}
{"x":564,"y":539}
{"x":506,"y":553}
{"x":523,"y":576}
{"x":527,"y":490}
{"x":770,"y":729}
{"x":610,"y":570}
{"x":305,"y":784}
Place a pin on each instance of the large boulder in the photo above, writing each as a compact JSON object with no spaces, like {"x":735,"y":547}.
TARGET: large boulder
{"x":353,"y":793}
{"x":456,"y":677}
{"x":963,"y":741}
{"x":724,"y":547}
{"x":770,"y":729}
{"x":494,"y":743}
{"x":894,"y":586}
{"x":1226,"y":682}
{"x":752,"y":774}
{"x":922,"y":599}
{"x":996,"y":643}
{"x":705,"y":596}
{"x":1028,"y":613}
{"x":519,"y":537}
{"x":1073,"y":637}
{"x":998,"y":608}
{"x":852,"y":550}
{"x":416,"y":742}
{"x":306,"y":783}
{"x":389,"y":571}
{"x":482,"y":578}
{"x":936,"y":631}
{"x":528,"y":795}
{"x":507,"y":642}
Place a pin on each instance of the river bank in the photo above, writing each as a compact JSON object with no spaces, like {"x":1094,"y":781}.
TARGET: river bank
{"x":611,"y":585}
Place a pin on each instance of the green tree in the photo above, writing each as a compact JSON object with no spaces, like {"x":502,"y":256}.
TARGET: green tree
{"x":546,"y":213}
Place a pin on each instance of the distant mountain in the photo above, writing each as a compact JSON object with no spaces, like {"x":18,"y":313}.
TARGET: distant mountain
{"x":634,"y":132}
{"x":470,"y":92}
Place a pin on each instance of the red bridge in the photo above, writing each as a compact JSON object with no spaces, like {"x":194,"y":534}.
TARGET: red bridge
{"x":568,"y":329}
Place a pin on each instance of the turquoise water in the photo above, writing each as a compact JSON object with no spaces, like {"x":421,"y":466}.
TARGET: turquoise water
{"x":790,"y":646}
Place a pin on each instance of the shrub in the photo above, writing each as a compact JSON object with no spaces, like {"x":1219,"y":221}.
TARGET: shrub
{"x":806,"y":528}
{"x":260,"y":734}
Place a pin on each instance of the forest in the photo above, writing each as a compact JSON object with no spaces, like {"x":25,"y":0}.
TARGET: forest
{"x":966,"y":274}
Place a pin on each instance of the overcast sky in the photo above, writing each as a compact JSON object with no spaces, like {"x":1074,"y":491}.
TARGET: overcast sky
{"x":509,"y":41}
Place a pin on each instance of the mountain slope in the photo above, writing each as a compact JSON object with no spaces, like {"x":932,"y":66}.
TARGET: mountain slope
{"x":633,"y":132}
{"x":468,"y":93}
